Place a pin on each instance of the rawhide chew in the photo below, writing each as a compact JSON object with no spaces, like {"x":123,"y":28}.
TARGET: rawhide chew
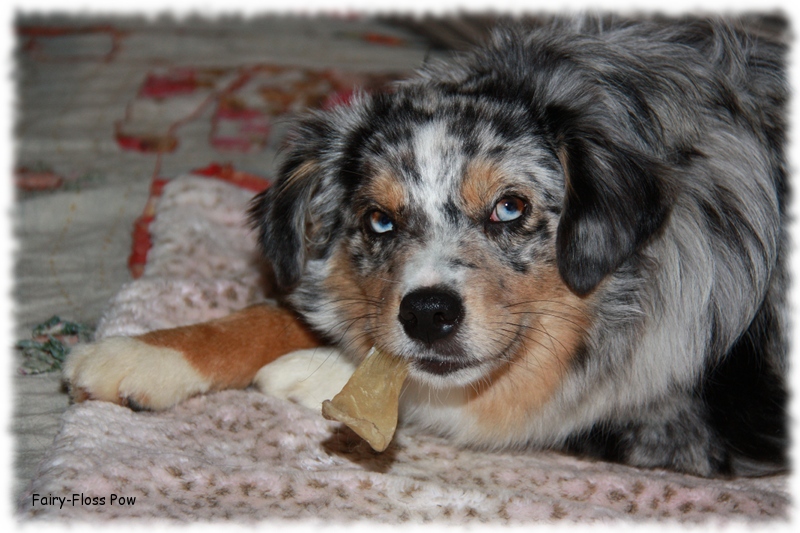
{"x":369,"y":401}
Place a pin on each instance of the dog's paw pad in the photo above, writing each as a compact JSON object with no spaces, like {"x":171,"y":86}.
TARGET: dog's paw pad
{"x":129,"y":372}
{"x":305,"y":377}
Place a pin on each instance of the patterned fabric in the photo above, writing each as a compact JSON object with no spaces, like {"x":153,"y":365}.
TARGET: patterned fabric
{"x":243,"y":456}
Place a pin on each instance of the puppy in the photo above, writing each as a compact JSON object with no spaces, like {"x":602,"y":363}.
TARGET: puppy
{"x":575,"y":235}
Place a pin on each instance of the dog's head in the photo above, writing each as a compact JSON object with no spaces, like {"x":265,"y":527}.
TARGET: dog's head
{"x":461,"y":220}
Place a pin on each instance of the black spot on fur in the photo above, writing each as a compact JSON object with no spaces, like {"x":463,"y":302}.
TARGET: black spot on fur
{"x":601,"y":441}
{"x":747,"y":399}
{"x":451,"y":212}
{"x":581,"y":356}
{"x":461,"y":263}
{"x":542,"y":229}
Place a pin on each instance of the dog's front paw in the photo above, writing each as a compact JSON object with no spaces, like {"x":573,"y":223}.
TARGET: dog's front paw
{"x":128,"y":371}
{"x":306,"y":377}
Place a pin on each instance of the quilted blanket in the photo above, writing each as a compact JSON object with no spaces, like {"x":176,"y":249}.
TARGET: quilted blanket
{"x":242,"y":456}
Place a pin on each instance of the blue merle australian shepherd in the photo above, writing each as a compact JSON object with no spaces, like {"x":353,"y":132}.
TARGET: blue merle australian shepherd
{"x":575,"y":235}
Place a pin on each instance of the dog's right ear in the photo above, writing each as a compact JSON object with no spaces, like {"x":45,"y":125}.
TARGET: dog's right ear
{"x":279,"y":215}
{"x":298,"y":217}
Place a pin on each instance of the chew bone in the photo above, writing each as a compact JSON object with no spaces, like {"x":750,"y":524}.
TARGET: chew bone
{"x":369,"y":401}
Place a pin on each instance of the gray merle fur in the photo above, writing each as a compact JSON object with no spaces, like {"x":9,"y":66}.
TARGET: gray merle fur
{"x":668,"y":212}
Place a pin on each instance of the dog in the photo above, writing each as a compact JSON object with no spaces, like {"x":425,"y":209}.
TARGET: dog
{"x":575,"y":235}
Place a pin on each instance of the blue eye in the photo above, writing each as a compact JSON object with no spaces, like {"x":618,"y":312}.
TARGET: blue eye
{"x":507,"y":209}
{"x":379,"y":222}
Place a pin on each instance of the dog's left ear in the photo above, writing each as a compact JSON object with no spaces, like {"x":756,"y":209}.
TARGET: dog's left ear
{"x":280,"y":214}
{"x":616,"y":198}
{"x":299,"y":218}
{"x":295,"y":217}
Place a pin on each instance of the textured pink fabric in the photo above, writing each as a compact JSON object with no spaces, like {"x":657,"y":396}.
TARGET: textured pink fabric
{"x":243,"y":456}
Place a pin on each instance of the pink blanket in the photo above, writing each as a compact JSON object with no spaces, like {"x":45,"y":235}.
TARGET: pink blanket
{"x":243,"y":456}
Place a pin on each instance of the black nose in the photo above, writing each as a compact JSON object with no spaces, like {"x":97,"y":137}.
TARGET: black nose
{"x":430,"y":314}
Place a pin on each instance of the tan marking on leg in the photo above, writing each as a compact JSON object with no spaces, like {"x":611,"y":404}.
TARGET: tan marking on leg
{"x":231,"y":350}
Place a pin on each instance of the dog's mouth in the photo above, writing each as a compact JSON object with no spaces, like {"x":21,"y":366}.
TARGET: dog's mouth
{"x":440,"y":366}
{"x":461,"y":367}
